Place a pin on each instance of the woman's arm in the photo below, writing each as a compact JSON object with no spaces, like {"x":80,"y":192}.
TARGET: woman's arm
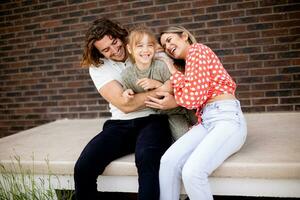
{"x":164,"y":101}
{"x":191,"y":88}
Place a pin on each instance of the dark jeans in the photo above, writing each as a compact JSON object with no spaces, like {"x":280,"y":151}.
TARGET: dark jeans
{"x":149,"y":137}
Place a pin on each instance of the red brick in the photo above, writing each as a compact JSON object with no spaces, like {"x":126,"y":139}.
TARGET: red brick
{"x":254,"y":109}
{"x":193,"y":12}
{"x":167,"y":15}
{"x":263,"y":72}
{"x":273,"y":17}
{"x":41,"y":48}
{"x":204,"y":3}
{"x":231,"y":14}
{"x":279,"y":108}
{"x":264,"y":86}
{"x":265,"y":101}
{"x":229,"y":59}
{"x":248,"y":95}
{"x":233,"y":29}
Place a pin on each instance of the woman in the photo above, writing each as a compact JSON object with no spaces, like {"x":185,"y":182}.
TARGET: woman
{"x":221,"y":130}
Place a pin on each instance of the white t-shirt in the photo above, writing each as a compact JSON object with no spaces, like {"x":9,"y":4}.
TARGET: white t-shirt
{"x":110,"y":71}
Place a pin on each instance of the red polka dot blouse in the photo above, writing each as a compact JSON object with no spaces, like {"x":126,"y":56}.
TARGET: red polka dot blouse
{"x":203,"y":79}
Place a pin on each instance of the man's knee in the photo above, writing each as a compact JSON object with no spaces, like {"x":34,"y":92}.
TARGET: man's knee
{"x":148,"y":157}
{"x":84,"y":169}
{"x":80,"y":169}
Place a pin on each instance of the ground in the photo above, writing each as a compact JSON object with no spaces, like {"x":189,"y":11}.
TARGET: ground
{"x":132,"y":196}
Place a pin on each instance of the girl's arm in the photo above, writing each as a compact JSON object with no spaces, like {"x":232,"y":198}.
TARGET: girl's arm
{"x":149,"y":84}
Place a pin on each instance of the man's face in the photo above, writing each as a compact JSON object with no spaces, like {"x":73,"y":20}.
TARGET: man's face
{"x":111,"y":48}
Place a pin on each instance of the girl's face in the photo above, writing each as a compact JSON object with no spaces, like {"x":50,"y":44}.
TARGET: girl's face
{"x":143,"y":51}
{"x":175,"y":45}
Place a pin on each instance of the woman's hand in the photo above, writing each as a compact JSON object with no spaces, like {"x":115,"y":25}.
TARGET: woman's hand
{"x":169,"y":63}
{"x":148,"y":84}
{"x":166,"y":87}
{"x":164,"y":102}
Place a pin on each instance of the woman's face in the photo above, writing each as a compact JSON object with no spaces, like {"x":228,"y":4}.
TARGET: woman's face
{"x":175,"y":45}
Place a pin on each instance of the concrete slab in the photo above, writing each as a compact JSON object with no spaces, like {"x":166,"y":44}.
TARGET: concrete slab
{"x":272,"y":148}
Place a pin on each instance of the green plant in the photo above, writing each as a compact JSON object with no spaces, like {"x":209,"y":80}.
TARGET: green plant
{"x":19,"y":184}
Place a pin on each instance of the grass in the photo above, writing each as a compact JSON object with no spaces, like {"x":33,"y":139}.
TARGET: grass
{"x":19,"y":184}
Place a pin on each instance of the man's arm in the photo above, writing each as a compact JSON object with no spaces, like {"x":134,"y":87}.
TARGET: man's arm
{"x":112,"y":92}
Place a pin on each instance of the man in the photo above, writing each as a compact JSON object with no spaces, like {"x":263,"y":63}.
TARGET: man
{"x":105,"y":55}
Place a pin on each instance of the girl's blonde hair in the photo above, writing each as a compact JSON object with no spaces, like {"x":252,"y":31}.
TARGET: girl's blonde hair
{"x":136,"y":35}
{"x":179,"y":30}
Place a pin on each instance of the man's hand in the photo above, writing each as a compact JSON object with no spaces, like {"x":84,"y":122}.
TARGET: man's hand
{"x":148,"y":84}
{"x":164,"y":102}
{"x":112,"y":92}
{"x":128,"y":94}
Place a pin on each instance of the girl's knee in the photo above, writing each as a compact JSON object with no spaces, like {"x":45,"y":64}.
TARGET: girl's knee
{"x":168,"y":164}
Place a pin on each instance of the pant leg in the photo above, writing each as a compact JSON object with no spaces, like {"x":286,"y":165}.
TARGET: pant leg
{"x":226,"y":134}
{"x":173,"y":160}
{"x":114,"y":141}
{"x":152,"y":142}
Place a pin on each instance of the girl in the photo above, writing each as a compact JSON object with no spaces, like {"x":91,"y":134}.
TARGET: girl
{"x":221,"y":130}
{"x":147,"y":74}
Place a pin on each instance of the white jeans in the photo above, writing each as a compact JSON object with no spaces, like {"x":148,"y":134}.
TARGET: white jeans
{"x":201,"y":150}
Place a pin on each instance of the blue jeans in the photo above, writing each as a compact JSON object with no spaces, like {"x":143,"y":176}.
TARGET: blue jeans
{"x":194,"y":156}
{"x":148,"y":137}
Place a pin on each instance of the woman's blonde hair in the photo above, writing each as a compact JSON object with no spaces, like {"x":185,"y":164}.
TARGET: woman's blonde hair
{"x":179,"y":30}
{"x":136,"y":35}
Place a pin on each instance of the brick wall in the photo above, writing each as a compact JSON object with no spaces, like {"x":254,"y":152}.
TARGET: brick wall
{"x":41,"y":45}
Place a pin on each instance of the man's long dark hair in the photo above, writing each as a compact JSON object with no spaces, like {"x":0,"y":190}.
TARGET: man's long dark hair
{"x":98,"y":29}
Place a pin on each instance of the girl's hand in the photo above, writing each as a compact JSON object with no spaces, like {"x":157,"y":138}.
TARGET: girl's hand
{"x":128,"y":94}
{"x":164,"y":102}
{"x":169,"y":63}
{"x":148,"y":84}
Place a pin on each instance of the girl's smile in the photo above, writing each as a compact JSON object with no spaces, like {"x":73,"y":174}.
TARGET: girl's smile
{"x":143,"y":52}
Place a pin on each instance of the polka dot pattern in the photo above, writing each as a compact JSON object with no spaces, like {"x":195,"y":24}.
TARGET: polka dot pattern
{"x":204,"y":78}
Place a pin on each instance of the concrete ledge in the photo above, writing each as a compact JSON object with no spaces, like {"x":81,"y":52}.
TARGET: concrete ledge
{"x":270,"y":155}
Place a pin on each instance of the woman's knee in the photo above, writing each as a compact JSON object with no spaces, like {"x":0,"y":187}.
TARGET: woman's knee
{"x":170,"y":163}
{"x":192,"y":175}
